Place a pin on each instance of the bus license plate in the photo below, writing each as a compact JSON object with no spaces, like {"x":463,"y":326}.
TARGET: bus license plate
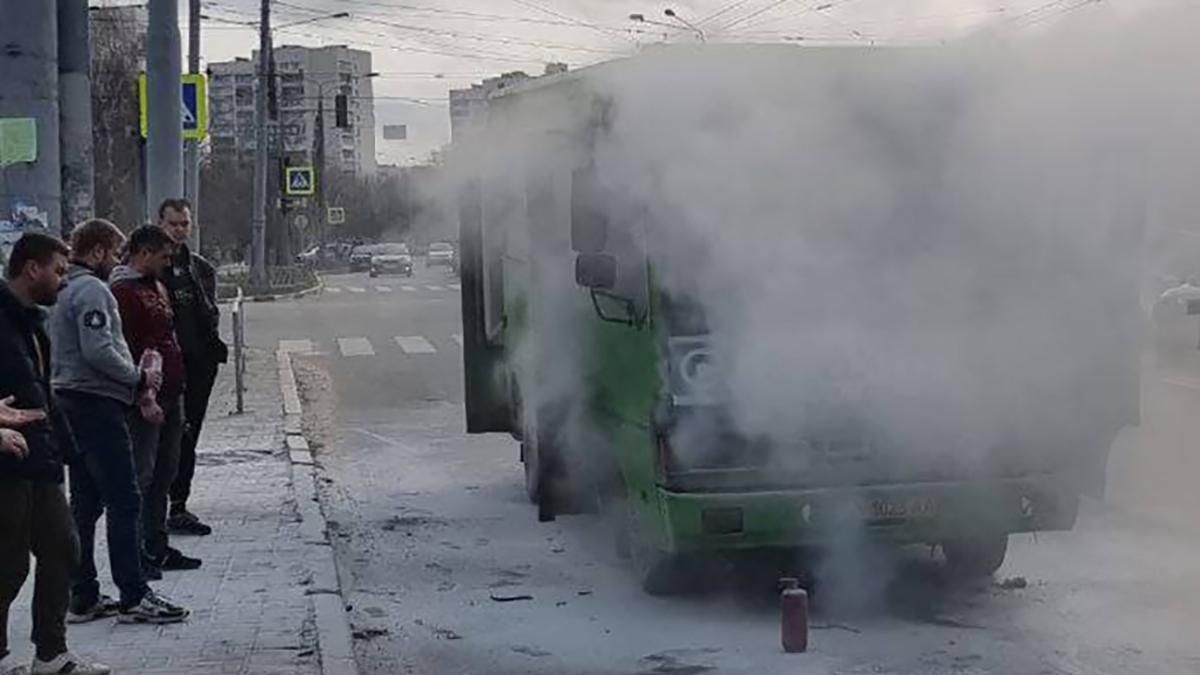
{"x":885,"y":509}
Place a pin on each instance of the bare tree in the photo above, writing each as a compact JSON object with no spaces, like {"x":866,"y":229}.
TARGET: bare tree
{"x":117,"y":39}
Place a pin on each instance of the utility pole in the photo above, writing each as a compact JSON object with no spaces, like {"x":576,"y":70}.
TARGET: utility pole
{"x":75,"y":114}
{"x":29,"y":71}
{"x":191,"y":148}
{"x":164,"y":138}
{"x":258,"y":254}
{"x":319,"y":152}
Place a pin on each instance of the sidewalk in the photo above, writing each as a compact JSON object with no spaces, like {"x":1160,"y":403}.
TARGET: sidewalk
{"x":250,"y":610}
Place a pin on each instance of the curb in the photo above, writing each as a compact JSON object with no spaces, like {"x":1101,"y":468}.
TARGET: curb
{"x":288,"y":296}
{"x":335,"y":645}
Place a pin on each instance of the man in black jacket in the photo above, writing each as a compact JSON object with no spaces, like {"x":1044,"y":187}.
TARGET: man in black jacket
{"x":34,"y":516}
{"x":192,"y":283}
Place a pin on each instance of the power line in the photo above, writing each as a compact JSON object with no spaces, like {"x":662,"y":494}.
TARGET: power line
{"x":484,"y":38}
{"x":723,"y":11}
{"x":531,"y":5}
{"x":756,"y":13}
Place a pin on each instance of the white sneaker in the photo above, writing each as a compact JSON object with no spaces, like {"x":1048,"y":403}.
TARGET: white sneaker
{"x":67,"y":662}
{"x":9,"y":666}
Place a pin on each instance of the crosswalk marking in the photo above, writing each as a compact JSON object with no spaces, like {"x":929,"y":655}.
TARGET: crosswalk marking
{"x":355,"y":346}
{"x":455,"y":287}
{"x":332,"y":289}
{"x":296,"y":346}
{"x":415,"y":345}
{"x":435,"y":288}
{"x":356,"y":289}
{"x":384,"y":289}
{"x":457,"y":339}
{"x":408,"y":289}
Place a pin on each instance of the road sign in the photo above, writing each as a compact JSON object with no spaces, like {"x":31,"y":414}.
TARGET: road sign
{"x":193,"y":102}
{"x":336,"y":215}
{"x":301,"y":221}
{"x":300,"y":180}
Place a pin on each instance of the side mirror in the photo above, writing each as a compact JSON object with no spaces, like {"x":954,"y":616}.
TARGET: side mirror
{"x":589,"y":226}
{"x":596,"y":271}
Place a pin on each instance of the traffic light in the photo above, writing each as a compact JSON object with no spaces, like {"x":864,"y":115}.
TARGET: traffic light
{"x":341,"y":111}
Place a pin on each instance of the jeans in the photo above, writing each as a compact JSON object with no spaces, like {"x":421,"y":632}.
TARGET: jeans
{"x":35,"y":518}
{"x":200,"y":379}
{"x":103,"y":480}
{"x":156,"y":457}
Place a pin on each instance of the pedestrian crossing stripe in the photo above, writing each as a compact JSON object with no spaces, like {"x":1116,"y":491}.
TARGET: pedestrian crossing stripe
{"x":296,"y":346}
{"x":356,"y":289}
{"x":455,"y":287}
{"x":408,"y":289}
{"x":333,"y":289}
{"x":384,"y":289}
{"x":435,"y":288}
{"x":355,"y":346}
{"x":415,"y":345}
{"x":457,"y":339}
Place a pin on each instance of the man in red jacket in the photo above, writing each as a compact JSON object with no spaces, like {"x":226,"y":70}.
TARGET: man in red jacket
{"x":148,"y":323}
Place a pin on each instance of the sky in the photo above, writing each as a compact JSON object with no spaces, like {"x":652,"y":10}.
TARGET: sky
{"x":423,"y":48}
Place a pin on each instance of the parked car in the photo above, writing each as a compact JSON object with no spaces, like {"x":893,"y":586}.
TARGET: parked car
{"x":391,"y":259}
{"x":360,"y":257}
{"x":440,"y":254}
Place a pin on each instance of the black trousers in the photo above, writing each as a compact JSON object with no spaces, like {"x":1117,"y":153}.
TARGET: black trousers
{"x":200,"y":379}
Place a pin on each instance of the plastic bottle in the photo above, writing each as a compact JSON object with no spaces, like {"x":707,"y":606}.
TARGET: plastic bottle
{"x":794,"y":619}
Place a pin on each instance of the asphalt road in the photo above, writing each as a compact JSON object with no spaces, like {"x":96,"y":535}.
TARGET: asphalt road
{"x":447,"y":570}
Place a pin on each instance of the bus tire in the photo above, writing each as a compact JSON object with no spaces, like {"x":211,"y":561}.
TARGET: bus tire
{"x":975,"y":556}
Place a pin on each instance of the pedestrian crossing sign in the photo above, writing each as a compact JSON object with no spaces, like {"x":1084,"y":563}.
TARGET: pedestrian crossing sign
{"x":193,"y":105}
{"x":300,"y":180}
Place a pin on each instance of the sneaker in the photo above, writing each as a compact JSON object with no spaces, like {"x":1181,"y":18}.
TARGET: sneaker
{"x":150,"y":569}
{"x":186,"y":522}
{"x":153,"y":608}
{"x":67,"y":662}
{"x":9,"y":666}
{"x":174,"y":559}
{"x":101,"y":609}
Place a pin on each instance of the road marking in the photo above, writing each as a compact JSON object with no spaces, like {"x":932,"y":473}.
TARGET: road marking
{"x":454,"y":287}
{"x":435,"y":288}
{"x":457,"y":339}
{"x":355,"y":347}
{"x":384,"y":289}
{"x":1185,"y":382}
{"x":333,"y":289}
{"x":408,"y":289}
{"x":415,"y":345}
{"x":296,"y":346}
{"x":356,"y":289}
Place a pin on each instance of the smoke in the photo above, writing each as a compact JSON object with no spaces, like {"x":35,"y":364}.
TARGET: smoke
{"x":928,"y":258}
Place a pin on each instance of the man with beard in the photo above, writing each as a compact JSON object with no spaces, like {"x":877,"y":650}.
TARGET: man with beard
{"x":34,"y":515}
{"x":96,"y":381}
{"x":192,"y":283}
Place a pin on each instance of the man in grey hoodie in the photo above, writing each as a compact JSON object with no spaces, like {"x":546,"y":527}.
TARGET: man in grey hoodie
{"x":95,"y":379}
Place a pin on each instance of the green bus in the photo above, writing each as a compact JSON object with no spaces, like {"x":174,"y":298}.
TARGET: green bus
{"x":588,"y":331}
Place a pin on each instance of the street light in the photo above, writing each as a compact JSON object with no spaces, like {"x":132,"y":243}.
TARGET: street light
{"x":674,"y":15}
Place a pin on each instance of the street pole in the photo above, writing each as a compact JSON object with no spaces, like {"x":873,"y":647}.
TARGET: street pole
{"x":258,"y":254}
{"x":75,"y":114}
{"x":191,"y":149}
{"x":319,"y":135}
{"x":164,"y":138}
{"x":29,"y":71}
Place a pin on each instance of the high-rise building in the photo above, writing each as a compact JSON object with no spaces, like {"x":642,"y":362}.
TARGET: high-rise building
{"x":304,"y":77}
{"x":468,"y":106}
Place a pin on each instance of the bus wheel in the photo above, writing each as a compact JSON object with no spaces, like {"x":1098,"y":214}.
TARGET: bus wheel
{"x":975,"y":556}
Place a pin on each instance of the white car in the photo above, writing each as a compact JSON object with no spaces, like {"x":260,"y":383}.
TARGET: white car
{"x":391,"y":258}
{"x":440,"y":253}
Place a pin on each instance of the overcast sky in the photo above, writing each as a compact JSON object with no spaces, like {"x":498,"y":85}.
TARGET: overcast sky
{"x":423,"y":48}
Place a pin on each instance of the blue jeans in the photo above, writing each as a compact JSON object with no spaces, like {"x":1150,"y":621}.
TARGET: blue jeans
{"x":103,"y":479}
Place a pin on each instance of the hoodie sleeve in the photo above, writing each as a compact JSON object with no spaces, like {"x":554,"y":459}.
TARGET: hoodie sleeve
{"x":93,"y":321}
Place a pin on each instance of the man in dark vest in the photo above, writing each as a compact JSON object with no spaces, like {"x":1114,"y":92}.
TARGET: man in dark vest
{"x":192,"y":284}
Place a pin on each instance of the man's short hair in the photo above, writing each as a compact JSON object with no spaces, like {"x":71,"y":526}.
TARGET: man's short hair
{"x":33,"y":247}
{"x":177,"y":203}
{"x":148,"y":238}
{"x":95,"y":233}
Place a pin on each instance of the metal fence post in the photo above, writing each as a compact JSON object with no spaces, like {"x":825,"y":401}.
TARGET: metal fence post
{"x":239,"y":351}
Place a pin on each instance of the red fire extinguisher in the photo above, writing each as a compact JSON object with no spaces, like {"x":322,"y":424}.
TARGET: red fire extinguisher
{"x":794,"y":620}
